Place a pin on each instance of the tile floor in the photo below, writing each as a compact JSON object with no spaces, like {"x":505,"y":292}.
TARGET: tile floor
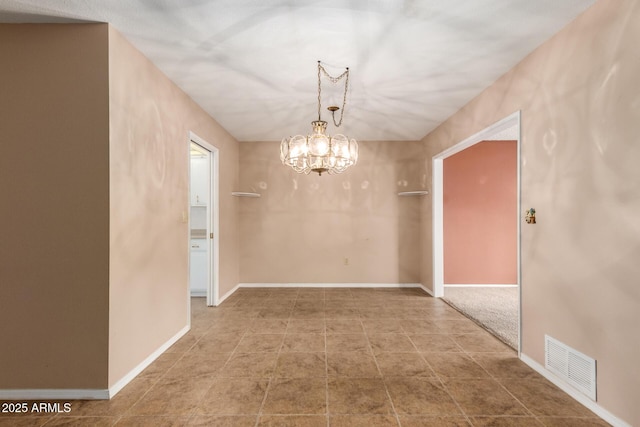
{"x":331,"y":357}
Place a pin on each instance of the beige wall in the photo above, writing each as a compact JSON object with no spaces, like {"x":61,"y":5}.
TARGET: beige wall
{"x":480,"y":229}
{"x":304,"y":226}
{"x":54,"y":208}
{"x":150,"y":123}
{"x":580,"y":105}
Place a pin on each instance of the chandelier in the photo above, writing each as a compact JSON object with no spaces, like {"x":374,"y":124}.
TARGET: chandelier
{"x":319,"y":152}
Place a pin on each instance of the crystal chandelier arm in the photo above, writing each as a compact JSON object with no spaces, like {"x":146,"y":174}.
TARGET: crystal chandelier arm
{"x":344,"y":75}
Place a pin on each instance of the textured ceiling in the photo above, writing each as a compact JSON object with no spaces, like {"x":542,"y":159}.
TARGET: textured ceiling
{"x":252,"y":64}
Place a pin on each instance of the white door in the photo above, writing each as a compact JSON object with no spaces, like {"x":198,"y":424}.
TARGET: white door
{"x":199,"y":224}
{"x":203,"y":220}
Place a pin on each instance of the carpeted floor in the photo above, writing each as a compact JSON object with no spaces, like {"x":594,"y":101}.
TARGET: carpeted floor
{"x":495,"y":309}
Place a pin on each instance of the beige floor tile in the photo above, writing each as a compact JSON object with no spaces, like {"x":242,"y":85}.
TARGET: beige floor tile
{"x":252,"y":365}
{"x":343,"y":326}
{"x":505,"y":365}
{"x":399,"y":343}
{"x":506,"y":422}
{"x":420,"y":396}
{"x":233,"y":396}
{"x":382,"y":326}
{"x":481,"y":342}
{"x":352,"y":364}
{"x":296,"y":396}
{"x":358,"y":396}
{"x":260,"y":343}
{"x":429,"y":343}
{"x":152,"y":421}
{"x":268,"y":326}
{"x":455,"y":365}
{"x":222,"y":421}
{"x":458,"y":326}
{"x":545,"y":399}
{"x":306,"y":326}
{"x":347,"y":343}
{"x":303,"y":343}
{"x":403,"y":365}
{"x":172,"y":397}
{"x":572,"y":422}
{"x":426,"y":421}
{"x":342,"y":313}
{"x":483,"y":397}
{"x":293,"y":421}
{"x":119,"y":404}
{"x":301,"y":365}
{"x":363,"y":421}
{"x":82,"y":421}
{"x":23,"y":420}
{"x":419,"y":326}
{"x":197,"y":363}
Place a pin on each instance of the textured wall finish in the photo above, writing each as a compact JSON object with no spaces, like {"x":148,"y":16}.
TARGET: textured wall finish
{"x":150,"y":123}
{"x":304,"y":226}
{"x":580,"y":105}
{"x":480,"y":202}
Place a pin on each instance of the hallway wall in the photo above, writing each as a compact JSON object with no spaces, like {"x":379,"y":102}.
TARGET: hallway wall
{"x":54,"y":207}
{"x":580,"y":111}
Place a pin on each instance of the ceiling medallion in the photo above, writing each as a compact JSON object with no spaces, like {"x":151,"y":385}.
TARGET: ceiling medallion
{"x":319,"y":152}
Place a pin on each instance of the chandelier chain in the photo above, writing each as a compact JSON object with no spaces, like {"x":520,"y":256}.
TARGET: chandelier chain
{"x":332,"y":79}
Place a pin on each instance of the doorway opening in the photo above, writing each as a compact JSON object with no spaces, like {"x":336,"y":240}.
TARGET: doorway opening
{"x":478,"y":296}
{"x":203,"y":220}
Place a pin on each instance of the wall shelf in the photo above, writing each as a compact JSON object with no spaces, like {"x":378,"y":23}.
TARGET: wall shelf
{"x":413,"y":193}
{"x":244,"y":194}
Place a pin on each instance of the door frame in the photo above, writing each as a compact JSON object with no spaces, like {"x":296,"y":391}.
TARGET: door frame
{"x":213,"y":287}
{"x":511,"y":120}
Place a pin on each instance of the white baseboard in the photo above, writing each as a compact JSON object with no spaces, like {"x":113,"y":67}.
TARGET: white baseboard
{"x":481,"y":286}
{"x":146,"y":362}
{"x":228,"y":294}
{"x":427,"y":290}
{"x":329,"y":285}
{"x":581,"y":398}
{"x":198,"y":292}
{"x":54,"y":394}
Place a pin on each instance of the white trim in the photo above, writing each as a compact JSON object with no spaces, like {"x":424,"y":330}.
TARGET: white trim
{"x":427,"y":290}
{"x":146,"y":362}
{"x":91,"y":394}
{"x":577,"y":395}
{"x":329,"y":285}
{"x":54,"y":394}
{"x":481,"y":286}
{"x":228,"y":294}
{"x":213,"y":291}
{"x":513,"y":119}
{"x":198,"y":293}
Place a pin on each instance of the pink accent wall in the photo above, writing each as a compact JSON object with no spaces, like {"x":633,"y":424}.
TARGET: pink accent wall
{"x":480,"y":202}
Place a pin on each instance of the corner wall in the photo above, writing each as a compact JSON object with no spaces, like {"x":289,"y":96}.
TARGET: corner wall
{"x":54,"y":207}
{"x":304,"y":226}
{"x":579,"y":147}
{"x":149,"y":153}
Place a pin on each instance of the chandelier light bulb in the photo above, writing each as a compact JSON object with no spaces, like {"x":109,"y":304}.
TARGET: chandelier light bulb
{"x":318,"y":152}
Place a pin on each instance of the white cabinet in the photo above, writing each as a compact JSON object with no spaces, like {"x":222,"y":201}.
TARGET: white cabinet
{"x":199,"y":272}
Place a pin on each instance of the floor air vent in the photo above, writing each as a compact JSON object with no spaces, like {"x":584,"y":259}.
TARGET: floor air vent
{"x":574,"y":367}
